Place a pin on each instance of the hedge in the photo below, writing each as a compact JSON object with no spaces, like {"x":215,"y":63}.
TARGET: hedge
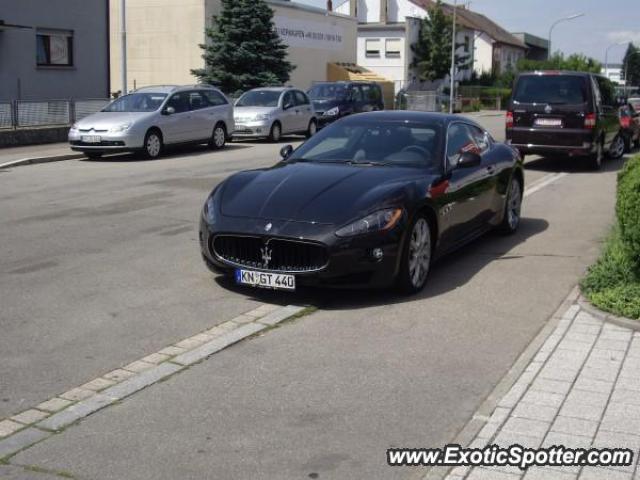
{"x":628,"y":208}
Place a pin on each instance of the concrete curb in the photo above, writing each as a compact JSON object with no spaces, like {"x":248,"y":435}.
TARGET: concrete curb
{"x":480,"y":418}
{"x":608,"y":317}
{"x":35,"y":160}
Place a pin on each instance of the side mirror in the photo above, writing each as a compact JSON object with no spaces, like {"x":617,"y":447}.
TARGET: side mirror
{"x":469,"y":160}
{"x":169,"y":110}
{"x":286,"y":151}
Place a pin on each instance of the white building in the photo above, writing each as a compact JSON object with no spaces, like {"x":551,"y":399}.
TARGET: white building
{"x":388,"y":28}
{"x":614,"y":73}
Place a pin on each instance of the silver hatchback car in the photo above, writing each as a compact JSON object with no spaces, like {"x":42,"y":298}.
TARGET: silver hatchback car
{"x":149,"y":118}
{"x":272,"y":112}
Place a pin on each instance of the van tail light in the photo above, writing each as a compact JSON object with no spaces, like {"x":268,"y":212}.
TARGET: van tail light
{"x":625,"y":122}
{"x":509,"y":119}
{"x":590,"y":121}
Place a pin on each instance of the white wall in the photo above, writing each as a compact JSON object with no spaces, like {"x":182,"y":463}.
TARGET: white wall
{"x":393,"y":69}
{"x":369,"y":10}
{"x":483,"y":55}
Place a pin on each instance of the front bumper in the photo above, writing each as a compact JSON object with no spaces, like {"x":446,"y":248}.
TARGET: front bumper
{"x":350,"y":261}
{"x":539,"y":141}
{"x":109,"y":142}
{"x":252,"y":129}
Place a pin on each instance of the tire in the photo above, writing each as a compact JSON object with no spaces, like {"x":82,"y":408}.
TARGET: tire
{"x":616,"y":150}
{"x":512,"y":209}
{"x":152,"y":144}
{"x":275,"y":134}
{"x":218,"y":137}
{"x":416,"y":256}
{"x":595,"y":160}
{"x":312,"y":129}
{"x":93,"y":155}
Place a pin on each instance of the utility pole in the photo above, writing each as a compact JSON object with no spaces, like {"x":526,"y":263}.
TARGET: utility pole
{"x":453,"y":59}
{"x":123,"y":44}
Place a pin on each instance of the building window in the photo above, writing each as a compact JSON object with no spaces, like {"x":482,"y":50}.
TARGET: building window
{"x":392,"y":48}
{"x":54,"y":48}
{"x":372,"y":47}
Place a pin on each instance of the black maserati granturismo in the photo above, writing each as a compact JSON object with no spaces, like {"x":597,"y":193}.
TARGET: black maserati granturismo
{"x":369,"y":201}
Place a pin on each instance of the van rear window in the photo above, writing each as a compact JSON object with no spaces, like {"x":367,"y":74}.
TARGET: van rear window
{"x":551,"y":89}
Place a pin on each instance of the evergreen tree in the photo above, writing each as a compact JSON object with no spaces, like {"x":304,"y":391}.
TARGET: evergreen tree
{"x":631,"y":65}
{"x":432,"y":51}
{"x":243,"y":50}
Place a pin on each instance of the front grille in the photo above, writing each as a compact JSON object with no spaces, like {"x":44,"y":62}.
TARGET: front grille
{"x":246,"y":131}
{"x":286,"y":255}
{"x":104,"y":143}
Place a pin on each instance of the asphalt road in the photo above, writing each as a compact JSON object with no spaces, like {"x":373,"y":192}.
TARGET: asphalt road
{"x":100,"y":266}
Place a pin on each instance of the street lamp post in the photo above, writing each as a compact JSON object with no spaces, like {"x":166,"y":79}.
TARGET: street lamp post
{"x":453,"y":59}
{"x":123,"y":44}
{"x":564,"y":19}
{"x":606,"y":56}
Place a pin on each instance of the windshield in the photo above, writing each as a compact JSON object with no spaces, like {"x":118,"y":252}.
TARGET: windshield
{"x":368,"y":142}
{"x":328,"y":91}
{"x":551,"y":89}
{"x":259,"y":98}
{"x":137,"y":102}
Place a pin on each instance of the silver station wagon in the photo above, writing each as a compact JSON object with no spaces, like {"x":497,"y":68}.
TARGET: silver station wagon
{"x":148,"y":119}
{"x":273,"y":112}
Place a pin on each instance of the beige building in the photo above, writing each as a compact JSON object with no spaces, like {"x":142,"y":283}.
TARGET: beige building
{"x":163,"y":38}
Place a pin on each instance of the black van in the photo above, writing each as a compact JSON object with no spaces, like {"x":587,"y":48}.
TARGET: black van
{"x":567,"y":113}
{"x":333,"y":100}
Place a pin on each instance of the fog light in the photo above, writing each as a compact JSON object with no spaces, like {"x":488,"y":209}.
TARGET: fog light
{"x":377,"y":253}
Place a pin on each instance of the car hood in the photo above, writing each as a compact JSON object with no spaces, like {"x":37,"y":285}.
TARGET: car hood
{"x":106,"y":120}
{"x":241,"y":112}
{"x":326,"y":104}
{"x":313,"y":192}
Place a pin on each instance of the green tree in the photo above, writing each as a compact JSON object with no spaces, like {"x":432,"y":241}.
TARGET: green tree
{"x":557,"y":61}
{"x":243,"y":49}
{"x":631,"y":65}
{"x":432,"y":50}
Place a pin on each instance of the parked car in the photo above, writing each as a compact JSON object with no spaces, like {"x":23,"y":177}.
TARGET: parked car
{"x":635,"y":103}
{"x":273,"y":112}
{"x":370,"y":200}
{"x":151,"y":118}
{"x":630,"y":127}
{"x":334,"y":100}
{"x":567,"y":113}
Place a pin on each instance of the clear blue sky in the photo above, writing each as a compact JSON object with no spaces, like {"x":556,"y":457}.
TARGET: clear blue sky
{"x":605,"y":22}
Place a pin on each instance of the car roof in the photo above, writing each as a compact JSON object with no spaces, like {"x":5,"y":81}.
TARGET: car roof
{"x":443,"y":119}
{"x":173,"y":88}
{"x":558,"y":72}
{"x":272,"y":89}
{"x":346,"y":82}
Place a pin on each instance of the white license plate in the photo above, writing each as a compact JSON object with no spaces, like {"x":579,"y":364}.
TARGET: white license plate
{"x":548,"y":122}
{"x":278,"y":281}
{"x":240,"y":126}
{"x":91,"y":138}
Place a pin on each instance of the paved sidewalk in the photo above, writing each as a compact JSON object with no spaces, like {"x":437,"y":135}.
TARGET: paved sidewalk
{"x":581,"y":390}
{"x":34,"y":151}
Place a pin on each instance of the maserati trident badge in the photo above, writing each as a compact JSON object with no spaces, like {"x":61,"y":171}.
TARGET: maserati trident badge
{"x":268,"y":226}
{"x":548,"y":109}
{"x":265,"y":253}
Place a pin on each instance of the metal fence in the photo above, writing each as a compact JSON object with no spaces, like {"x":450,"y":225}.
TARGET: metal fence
{"x":47,"y":113}
{"x":425,"y":101}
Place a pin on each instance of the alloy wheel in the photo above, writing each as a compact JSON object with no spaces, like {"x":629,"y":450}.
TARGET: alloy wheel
{"x":276,"y":132}
{"x":313,"y":128}
{"x":617,"y":149}
{"x":419,"y":253}
{"x":514,"y":205}
{"x":219,"y":137}
{"x":153,"y":145}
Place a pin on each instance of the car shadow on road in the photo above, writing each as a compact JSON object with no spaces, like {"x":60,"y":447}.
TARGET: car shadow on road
{"x":169,"y":153}
{"x":571,"y":165}
{"x":448,"y":273}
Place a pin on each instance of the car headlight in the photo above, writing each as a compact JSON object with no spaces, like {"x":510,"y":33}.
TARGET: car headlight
{"x":262,"y":116}
{"x":209,"y":210}
{"x":120,"y":128}
{"x":382,"y":220}
{"x":332,"y":112}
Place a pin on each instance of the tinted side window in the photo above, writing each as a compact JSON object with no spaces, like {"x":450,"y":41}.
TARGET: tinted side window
{"x":179,"y":101}
{"x":607,"y":91}
{"x":197,"y":101}
{"x":551,"y":89}
{"x":356,"y":94}
{"x":459,"y":140}
{"x":301,"y":98}
{"x":214,"y":98}
{"x":287,"y":100}
{"x":481,"y":138}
